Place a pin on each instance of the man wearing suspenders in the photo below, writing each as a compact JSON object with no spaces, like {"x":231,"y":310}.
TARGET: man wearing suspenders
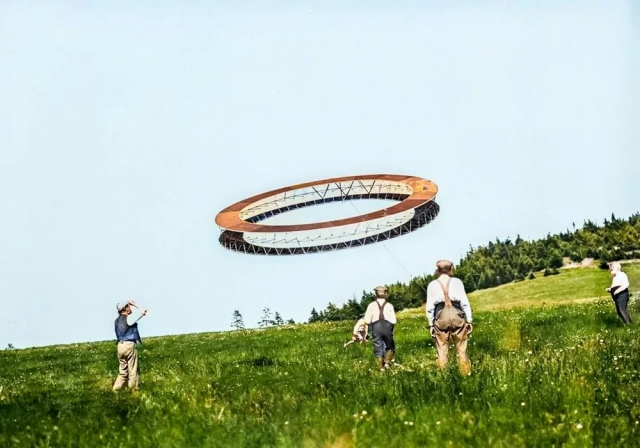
{"x":381,"y":316}
{"x":449,"y":315}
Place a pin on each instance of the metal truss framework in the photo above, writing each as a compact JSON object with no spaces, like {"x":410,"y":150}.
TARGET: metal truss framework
{"x":243,"y":232}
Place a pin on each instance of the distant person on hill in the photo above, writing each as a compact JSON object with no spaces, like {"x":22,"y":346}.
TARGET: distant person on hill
{"x":449,"y":315}
{"x":619,"y":291}
{"x":381,"y":316}
{"x":360,"y":332}
{"x":127,"y":336}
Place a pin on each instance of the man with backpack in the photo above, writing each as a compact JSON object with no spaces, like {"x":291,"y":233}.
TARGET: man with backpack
{"x":449,"y":315}
{"x":381,"y":316}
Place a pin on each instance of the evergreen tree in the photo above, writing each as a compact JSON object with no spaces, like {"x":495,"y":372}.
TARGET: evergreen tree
{"x":277,"y":319}
{"x":314,"y":316}
{"x":266,"y":320}
{"x":238,"y":322}
{"x":555,"y":260}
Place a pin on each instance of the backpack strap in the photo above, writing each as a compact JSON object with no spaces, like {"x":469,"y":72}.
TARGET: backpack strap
{"x":445,"y":289}
{"x":380,"y":308}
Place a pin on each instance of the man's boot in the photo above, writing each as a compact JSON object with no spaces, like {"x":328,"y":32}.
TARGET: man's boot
{"x":389,"y":358}
{"x":381,"y":361}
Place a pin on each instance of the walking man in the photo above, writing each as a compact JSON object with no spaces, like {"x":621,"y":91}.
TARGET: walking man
{"x":359,"y":333}
{"x":381,"y":316}
{"x":619,"y":291}
{"x":127,"y":336}
{"x":449,"y":315}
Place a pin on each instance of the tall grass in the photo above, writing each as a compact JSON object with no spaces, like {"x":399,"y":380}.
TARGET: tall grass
{"x":561,"y":376}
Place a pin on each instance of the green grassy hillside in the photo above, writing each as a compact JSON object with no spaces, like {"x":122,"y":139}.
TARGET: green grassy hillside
{"x":572,"y":285}
{"x":544,"y":375}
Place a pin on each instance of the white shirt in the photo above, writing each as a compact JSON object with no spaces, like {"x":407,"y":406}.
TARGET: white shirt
{"x":435,"y":295}
{"x":360,"y":326}
{"x":621,"y":280}
{"x":373,"y":313}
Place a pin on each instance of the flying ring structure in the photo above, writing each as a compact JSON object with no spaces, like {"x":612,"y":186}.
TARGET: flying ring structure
{"x":242,"y":231}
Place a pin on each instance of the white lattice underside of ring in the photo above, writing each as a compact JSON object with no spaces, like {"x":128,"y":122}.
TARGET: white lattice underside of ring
{"x":324,"y":192}
{"x":330,"y":235}
{"x":327,"y":192}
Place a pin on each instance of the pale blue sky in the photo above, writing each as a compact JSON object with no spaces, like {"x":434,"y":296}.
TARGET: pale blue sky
{"x":124,"y":130}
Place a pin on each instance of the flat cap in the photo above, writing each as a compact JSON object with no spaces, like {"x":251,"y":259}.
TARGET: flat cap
{"x":444,"y":265}
{"x":380,"y":288}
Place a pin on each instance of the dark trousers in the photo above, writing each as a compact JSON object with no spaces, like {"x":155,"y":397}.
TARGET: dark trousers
{"x":621,"y":300}
{"x":382,"y":334}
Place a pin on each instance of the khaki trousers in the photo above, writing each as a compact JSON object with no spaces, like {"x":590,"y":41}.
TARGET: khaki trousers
{"x":441,"y":340}
{"x":128,"y":371}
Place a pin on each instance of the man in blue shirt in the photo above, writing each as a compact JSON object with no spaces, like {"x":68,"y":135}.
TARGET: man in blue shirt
{"x":127,"y":336}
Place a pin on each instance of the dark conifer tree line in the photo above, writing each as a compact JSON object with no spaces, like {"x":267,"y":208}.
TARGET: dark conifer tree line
{"x":506,"y":261}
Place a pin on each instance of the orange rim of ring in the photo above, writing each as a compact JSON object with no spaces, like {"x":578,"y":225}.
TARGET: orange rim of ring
{"x":423,"y":191}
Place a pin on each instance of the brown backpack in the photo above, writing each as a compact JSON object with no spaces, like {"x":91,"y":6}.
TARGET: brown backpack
{"x":450,"y":318}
